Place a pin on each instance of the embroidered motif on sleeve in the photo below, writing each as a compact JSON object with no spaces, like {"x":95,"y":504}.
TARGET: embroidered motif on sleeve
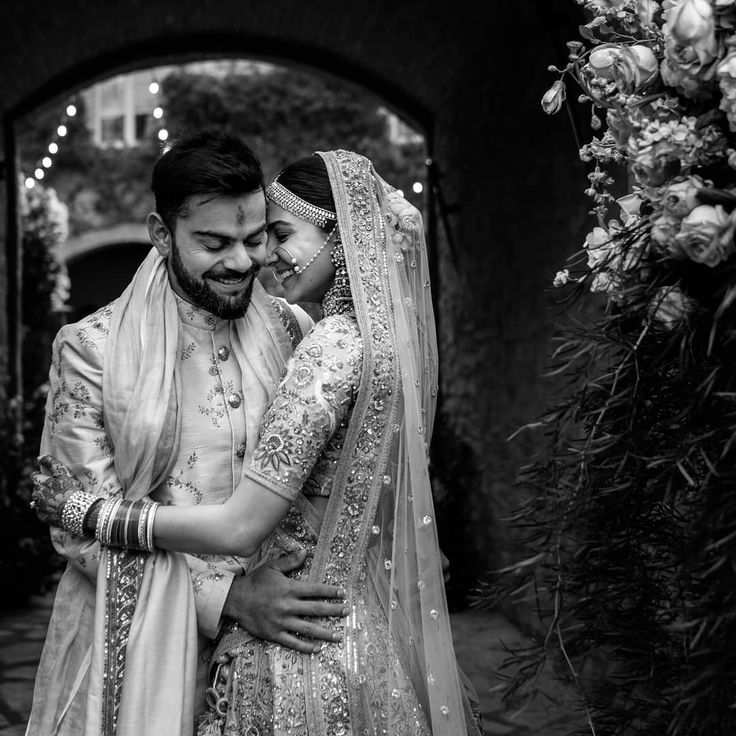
{"x":288,"y":320}
{"x":310,"y":405}
{"x":96,"y":325}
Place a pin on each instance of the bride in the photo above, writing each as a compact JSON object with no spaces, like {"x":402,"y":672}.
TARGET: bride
{"x":340,"y":470}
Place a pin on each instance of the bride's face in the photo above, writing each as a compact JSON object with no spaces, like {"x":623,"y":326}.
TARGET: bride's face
{"x":294,"y":242}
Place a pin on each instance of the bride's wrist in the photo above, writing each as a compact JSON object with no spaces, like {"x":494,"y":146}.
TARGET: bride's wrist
{"x":119,"y":522}
{"x":90,"y":520}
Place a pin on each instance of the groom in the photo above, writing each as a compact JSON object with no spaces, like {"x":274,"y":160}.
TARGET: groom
{"x":210,"y":228}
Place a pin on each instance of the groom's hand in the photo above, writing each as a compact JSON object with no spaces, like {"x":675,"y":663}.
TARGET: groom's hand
{"x":271,"y":606}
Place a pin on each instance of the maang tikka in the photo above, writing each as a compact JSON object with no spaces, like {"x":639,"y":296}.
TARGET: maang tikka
{"x":338,"y":298}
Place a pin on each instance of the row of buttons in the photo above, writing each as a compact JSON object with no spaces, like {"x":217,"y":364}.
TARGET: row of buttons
{"x":234,"y":400}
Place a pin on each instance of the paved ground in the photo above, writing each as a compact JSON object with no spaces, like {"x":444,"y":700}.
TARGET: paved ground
{"x":479,"y":639}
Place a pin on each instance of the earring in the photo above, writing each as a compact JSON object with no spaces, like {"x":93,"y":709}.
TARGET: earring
{"x":338,"y":299}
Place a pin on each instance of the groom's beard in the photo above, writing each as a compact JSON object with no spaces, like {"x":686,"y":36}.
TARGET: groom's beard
{"x":201,"y":294}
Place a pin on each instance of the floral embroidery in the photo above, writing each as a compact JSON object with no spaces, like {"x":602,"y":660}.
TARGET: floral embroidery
{"x":105,"y":445}
{"x":273,"y":450}
{"x":303,"y":429}
{"x":216,"y":410}
{"x":96,"y":325}
{"x":177,"y":482}
{"x":288,"y":320}
{"x":188,"y":350}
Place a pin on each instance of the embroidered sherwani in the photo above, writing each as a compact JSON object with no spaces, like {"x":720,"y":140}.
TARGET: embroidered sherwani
{"x":220,"y":406}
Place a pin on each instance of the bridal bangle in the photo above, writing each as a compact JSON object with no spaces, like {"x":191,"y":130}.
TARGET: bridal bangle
{"x":129,"y":524}
{"x":75,"y":511}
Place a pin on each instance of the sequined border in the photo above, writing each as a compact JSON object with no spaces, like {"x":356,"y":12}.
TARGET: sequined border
{"x":124,"y":578}
{"x":357,"y":484}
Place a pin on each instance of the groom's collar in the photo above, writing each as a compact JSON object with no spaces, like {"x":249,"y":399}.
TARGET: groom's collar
{"x":196,"y":316}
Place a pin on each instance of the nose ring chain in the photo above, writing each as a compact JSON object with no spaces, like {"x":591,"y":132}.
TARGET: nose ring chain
{"x":301,"y":269}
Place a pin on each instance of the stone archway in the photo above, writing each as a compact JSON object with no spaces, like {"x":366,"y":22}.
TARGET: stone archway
{"x":471,"y":76}
{"x":100,"y":263}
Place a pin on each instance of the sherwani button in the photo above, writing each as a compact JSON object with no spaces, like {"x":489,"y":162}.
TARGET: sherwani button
{"x":240,"y":452}
{"x":223,"y":353}
{"x":234,"y":400}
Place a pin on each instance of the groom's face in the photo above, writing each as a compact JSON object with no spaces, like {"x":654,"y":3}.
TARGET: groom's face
{"x":218,"y":246}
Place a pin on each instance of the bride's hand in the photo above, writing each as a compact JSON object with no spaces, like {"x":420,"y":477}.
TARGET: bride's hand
{"x":50,"y":492}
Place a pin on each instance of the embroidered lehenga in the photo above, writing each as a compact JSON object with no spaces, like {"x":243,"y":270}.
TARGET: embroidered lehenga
{"x":351,"y":420}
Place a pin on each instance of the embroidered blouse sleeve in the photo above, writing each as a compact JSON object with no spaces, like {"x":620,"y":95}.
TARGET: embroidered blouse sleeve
{"x":315,"y":396}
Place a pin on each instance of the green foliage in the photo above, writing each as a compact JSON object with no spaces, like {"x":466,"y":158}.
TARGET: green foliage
{"x":631,"y":517}
{"x":26,"y":555}
{"x":286,"y":114}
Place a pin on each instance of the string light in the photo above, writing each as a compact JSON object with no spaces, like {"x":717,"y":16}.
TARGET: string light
{"x":71,"y":110}
{"x":418,"y":187}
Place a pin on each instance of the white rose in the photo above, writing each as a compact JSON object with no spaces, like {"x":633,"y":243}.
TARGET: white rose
{"x":598,"y":245}
{"x":691,"y":23}
{"x":670,"y":306}
{"x":706,"y":235}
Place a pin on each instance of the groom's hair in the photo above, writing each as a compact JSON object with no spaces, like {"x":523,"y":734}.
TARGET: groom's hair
{"x":207,"y":162}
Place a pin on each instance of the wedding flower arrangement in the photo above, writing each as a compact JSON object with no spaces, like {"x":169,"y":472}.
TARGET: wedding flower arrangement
{"x":631,"y":511}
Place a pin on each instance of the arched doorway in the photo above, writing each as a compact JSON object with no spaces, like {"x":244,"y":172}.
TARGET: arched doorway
{"x":96,"y":148}
{"x":464,"y":75}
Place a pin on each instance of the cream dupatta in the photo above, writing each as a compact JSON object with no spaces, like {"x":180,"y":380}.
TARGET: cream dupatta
{"x":379,"y":524}
{"x":138,"y":658}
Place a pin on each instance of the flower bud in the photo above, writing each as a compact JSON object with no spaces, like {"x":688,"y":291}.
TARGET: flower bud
{"x":554,"y":97}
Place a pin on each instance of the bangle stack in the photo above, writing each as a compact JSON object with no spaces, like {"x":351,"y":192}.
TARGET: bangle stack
{"x":129,"y":524}
{"x":75,"y":511}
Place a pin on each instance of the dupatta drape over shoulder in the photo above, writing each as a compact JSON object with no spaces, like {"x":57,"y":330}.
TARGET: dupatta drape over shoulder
{"x":379,"y":522}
